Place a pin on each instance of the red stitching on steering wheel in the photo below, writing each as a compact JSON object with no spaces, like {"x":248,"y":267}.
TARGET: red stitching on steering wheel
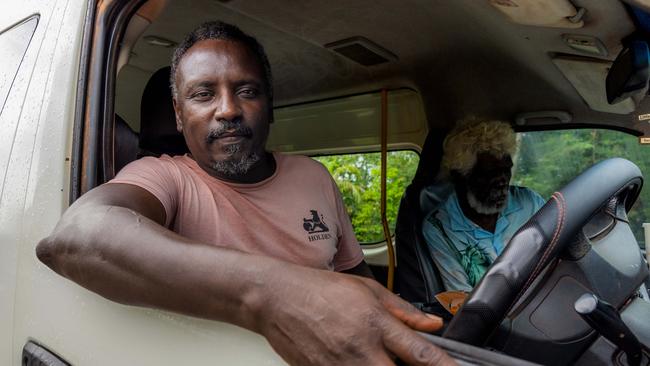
{"x":561,"y":204}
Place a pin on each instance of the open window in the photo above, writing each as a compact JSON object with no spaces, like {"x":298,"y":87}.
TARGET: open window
{"x":358,"y":178}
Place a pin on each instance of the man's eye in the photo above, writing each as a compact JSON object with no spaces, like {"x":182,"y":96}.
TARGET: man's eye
{"x":202,"y":95}
{"x":248,"y":93}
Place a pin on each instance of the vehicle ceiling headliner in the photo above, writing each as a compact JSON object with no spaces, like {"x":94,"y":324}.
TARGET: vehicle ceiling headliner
{"x":463,"y":56}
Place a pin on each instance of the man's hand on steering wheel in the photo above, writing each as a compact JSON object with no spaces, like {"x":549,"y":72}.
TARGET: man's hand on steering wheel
{"x":356,"y":320}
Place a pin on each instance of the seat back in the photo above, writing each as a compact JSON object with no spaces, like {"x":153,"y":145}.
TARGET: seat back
{"x":125,"y":148}
{"x":158,"y":133}
{"x":417,"y":278}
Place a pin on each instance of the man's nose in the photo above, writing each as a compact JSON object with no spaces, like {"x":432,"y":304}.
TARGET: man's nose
{"x":228,"y":108}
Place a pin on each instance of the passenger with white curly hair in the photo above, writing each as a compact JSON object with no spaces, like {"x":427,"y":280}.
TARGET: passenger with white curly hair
{"x":468,"y":230}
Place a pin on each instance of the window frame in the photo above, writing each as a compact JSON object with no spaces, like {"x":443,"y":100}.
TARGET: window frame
{"x":91,"y":160}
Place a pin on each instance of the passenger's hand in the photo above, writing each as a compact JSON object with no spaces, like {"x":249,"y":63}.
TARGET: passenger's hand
{"x":326,"y":318}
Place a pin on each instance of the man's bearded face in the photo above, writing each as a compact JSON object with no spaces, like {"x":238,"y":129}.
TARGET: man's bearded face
{"x":488,"y":183}
{"x":222,"y":106}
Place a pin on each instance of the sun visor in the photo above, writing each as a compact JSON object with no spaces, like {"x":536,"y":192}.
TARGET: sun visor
{"x":541,"y":13}
{"x":588,"y":78}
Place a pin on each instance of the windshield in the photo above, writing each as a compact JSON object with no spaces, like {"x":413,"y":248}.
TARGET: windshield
{"x":547,"y":160}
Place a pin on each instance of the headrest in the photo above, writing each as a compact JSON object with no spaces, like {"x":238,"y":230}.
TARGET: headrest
{"x":433,"y":189}
{"x":125,"y":148}
{"x":430,"y":158}
{"x":158,"y":134}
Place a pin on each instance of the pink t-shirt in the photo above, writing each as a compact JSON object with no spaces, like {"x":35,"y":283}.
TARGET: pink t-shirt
{"x":296,"y":215}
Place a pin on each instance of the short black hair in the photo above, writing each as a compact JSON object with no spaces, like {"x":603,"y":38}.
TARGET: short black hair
{"x":228,"y":32}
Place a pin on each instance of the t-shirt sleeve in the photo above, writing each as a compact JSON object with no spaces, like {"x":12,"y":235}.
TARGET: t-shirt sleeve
{"x":453,"y":276}
{"x":349,"y":253}
{"x":158,"y":177}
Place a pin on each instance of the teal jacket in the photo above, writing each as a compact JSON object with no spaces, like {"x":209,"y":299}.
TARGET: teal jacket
{"x":462,"y":250}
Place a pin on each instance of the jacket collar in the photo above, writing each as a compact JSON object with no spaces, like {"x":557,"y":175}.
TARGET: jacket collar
{"x":458,"y":221}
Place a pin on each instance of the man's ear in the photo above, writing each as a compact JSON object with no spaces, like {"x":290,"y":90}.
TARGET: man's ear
{"x":179,"y":121}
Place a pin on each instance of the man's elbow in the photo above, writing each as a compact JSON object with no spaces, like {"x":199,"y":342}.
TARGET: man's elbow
{"x":47,"y":252}
{"x":61,"y":248}
{"x":72,"y":238}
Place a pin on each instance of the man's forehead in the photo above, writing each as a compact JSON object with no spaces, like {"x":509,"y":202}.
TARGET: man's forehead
{"x":210,"y":49}
{"x":492,"y":160}
{"x":211,"y":54}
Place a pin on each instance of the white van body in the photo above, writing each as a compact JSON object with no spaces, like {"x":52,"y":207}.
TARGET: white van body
{"x":35,"y":303}
{"x":38,"y":147}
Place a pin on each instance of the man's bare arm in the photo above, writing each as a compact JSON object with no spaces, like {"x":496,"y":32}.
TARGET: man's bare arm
{"x":111,"y":242}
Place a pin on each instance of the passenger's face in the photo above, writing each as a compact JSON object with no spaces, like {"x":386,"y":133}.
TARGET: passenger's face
{"x":222,"y":106}
{"x":488,"y":182}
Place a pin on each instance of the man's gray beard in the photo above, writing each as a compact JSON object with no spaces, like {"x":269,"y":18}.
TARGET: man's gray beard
{"x":484,"y":208}
{"x":235,"y":167}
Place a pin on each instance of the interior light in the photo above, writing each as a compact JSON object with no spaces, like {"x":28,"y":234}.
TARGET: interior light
{"x":159,"y":41}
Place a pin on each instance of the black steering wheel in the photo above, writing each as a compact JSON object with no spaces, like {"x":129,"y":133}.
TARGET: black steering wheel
{"x":538,"y":244}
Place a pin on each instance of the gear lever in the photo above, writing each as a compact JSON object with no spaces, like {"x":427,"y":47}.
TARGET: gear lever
{"x":605,"y":319}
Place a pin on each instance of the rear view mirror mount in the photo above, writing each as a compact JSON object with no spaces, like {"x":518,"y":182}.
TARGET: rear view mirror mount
{"x":629,"y":73}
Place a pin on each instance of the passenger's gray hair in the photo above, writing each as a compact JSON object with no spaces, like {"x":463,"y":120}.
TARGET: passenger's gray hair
{"x":473,"y":136}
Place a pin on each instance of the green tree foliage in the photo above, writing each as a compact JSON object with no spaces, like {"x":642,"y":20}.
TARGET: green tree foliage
{"x":548,"y":160}
{"x":359,"y":179}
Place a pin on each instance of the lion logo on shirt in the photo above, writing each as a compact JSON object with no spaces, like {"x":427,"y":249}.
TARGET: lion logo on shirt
{"x":316,"y":225}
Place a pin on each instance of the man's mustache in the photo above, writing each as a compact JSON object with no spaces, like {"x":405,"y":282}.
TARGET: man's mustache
{"x":229,"y":128}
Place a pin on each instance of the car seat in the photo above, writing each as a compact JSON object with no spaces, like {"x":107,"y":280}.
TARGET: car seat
{"x":158,"y":133}
{"x":125,"y":144}
{"x":417,"y":278}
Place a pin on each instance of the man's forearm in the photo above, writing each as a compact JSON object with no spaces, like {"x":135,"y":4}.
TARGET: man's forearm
{"x":130,"y":259}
